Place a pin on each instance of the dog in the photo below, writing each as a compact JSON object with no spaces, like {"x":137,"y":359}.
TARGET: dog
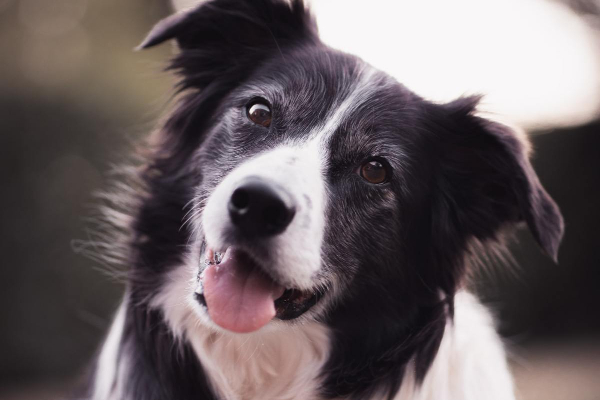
{"x":302,"y":226}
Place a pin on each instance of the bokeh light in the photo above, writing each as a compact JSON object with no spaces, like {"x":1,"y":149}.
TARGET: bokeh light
{"x":56,"y":17}
{"x":43,"y":66}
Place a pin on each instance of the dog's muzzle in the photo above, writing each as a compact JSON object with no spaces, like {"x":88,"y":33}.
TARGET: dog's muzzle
{"x":262,"y":228}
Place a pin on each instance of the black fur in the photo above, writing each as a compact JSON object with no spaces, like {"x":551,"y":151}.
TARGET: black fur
{"x":161,"y":369}
{"x":399,"y":249}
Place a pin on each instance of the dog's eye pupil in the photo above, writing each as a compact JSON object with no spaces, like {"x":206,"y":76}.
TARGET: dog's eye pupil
{"x":373,"y":172}
{"x":260,"y":114}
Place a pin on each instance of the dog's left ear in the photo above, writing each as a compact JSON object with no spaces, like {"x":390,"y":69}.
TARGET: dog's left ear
{"x":488,"y":180}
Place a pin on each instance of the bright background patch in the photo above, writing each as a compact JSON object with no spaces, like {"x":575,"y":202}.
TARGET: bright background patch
{"x":536,"y":61}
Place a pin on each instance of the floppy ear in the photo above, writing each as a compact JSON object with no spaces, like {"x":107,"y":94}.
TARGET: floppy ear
{"x":223,"y":36}
{"x":487,"y":178}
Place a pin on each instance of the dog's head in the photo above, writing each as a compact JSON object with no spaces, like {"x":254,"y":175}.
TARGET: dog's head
{"x":319,"y":186}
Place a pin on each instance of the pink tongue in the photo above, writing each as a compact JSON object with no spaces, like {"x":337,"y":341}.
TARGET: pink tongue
{"x":238,"y":295}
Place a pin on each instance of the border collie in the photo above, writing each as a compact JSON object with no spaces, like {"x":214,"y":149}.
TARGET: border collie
{"x":302,"y":226}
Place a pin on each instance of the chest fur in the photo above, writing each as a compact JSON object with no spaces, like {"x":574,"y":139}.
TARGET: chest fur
{"x":272,"y":365}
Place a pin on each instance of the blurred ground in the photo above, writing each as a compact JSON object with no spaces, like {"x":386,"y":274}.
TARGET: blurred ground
{"x":559,"y":371}
{"x":73,"y":96}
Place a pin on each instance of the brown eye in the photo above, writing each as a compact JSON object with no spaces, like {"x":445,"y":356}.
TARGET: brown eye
{"x":260,"y":114}
{"x":374,"y":171}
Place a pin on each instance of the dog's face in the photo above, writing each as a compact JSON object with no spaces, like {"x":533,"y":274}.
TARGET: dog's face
{"x":321,"y":185}
{"x":303,"y":176}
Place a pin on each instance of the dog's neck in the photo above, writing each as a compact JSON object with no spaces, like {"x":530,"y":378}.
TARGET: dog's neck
{"x":278,"y":364}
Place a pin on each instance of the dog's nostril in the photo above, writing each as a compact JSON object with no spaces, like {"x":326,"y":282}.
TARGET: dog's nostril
{"x":240,"y":199}
{"x":260,"y":208}
{"x":275,"y":216}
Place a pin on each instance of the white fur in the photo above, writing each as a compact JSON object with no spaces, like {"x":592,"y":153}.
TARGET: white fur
{"x":279,"y":364}
{"x":470,"y":364}
{"x":112,"y":363}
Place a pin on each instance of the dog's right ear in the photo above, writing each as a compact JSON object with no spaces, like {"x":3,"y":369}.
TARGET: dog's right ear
{"x":253,"y":22}
{"x":168,"y":28}
{"x":224,"y":33}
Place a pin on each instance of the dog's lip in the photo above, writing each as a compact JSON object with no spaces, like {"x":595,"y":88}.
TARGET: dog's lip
{"x":291,"y":304}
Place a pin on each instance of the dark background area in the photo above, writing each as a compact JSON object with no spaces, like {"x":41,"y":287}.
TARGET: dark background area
{"x":74,"y":96}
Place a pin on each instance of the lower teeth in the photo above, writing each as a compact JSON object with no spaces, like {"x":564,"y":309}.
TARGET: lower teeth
{"x":217,"y":258}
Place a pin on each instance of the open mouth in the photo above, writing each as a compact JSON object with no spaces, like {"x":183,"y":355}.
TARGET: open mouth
{"x":241,"y":297}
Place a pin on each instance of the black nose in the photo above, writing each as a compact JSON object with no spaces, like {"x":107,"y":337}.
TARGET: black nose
{"x":261,"y":208}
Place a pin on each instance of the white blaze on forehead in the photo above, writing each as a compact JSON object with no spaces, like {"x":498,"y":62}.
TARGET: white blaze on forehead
{"x":360,"y":89}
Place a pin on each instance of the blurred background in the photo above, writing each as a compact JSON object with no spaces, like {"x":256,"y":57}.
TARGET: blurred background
{"x":75,"y":98}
